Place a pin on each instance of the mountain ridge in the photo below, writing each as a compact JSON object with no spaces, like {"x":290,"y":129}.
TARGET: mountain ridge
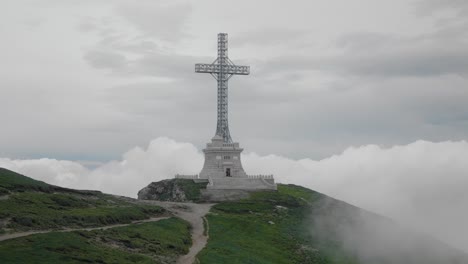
{"x":291,"y":225}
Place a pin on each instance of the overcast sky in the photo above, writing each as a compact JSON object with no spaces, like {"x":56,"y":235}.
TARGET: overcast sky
{"x":87,"y":80}
{"x":361,"y":99}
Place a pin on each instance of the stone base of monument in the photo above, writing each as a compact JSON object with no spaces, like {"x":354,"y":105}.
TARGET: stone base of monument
{"x":218,"y":190}
{"x":259,"y":183}
{"x":231,"y":189}
{"x":223,"y":169}
{"x":225,"y":177}
{"x":221,"y":195}
{"x":222,"y":160}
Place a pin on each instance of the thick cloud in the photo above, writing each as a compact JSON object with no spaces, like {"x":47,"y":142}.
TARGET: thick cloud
{"x":106,"y":60}
{"x":377,"y":55}
{"x":267,"y":37}
{"x":163,"y":158}
{"x":58,"y":172}
{"x":103,"y":76}
{"x":158,"y":18}
{"x":428,"y":7}
{"x":421,"y":185}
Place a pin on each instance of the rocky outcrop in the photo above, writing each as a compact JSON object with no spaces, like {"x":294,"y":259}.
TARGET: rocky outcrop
{"x":186,"y":190}
{"x":176,"y":190}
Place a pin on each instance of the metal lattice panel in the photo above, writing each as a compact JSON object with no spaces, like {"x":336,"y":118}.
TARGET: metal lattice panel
{"x":222,"y":69}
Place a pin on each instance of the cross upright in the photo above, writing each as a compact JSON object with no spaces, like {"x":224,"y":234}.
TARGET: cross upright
{"x":222,"y":69}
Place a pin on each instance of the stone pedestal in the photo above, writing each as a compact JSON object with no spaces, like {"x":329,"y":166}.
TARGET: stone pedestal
{"x":222,"y":160}
{"x":222,"y":171}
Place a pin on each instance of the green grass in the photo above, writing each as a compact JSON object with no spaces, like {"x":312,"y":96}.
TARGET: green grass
{"x":299,"y":192}
{"x":298,"y":225}
{"x":292,"y":225}
{"x":34,"y":210}
{"x":191,"y":188}
{"x":33,"y":205}
{"x":11,"y":181}
{"x":155,"y":242}
{"x":269,"y":227}
{"x":179,"y":190}
{"x":4,"y":191}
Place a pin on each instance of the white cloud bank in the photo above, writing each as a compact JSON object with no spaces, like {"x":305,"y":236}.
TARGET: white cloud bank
{"x":162,"y":159}
{"x":422,"y":184}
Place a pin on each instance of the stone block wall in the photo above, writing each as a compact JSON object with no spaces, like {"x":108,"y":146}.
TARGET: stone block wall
{"x":219,"y":157}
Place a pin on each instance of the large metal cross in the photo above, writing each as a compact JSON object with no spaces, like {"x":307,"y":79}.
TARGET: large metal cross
{"x":222,"y":69}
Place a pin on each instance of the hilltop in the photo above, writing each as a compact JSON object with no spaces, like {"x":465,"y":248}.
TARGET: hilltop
{"x":291,"y":225}
{"x":299,"y":225}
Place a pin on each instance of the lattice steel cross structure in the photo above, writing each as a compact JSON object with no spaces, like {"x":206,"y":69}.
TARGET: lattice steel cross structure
{"x":222,"y":69}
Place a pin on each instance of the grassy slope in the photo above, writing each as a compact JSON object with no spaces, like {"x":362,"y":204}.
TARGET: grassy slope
{"x":28,"y":204}
{"x":261,"y":230}
{"x":11,"y":181}
{"x":155,"y":242}
{"x":35,"y":205}
{"x":297,"y":225}
{"x":293,"y":225}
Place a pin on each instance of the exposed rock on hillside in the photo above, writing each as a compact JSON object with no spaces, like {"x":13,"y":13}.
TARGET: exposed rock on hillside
{"x":176,"y":190}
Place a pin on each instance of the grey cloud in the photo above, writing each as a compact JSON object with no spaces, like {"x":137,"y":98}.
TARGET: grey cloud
{"x":146,"y":59}
{"x":147,"y":64}
{"x":376,"y":88}
{"x":269,"y":37}
{"x":158,"y":98}
{"x":88,"y":25}
{"x":421,"y":195}
{"x":106,"y":59}
{"x":427,"y":7}
{"x":170,"y":65}
{"x":145,"y":46}
{"x":383,"y":56}
{"x":375,"y":239}
{"x":158,"y":18}
{"x":336,"y":115}
{"x":364,"y":41}
{"x":390,"y":111}
{"x":405,"y":62}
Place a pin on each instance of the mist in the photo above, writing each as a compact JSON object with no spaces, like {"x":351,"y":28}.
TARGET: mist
{"x":374,"y":239}
{"x":420,"y":185}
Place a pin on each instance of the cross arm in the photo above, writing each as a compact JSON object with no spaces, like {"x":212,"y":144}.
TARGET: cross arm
{"x":216,"y":68}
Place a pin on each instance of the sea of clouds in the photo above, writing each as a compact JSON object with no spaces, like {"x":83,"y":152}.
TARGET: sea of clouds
{"x":421,"y":185}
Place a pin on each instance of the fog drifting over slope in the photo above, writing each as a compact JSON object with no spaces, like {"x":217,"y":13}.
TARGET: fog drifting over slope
{"x":421,"y":185}
{"x":373,"y":239}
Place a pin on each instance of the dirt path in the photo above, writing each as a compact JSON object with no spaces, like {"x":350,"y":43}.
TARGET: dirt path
{"x":194,"y":214}
{"x":22,"y":234}
{"x":191,"y":212}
